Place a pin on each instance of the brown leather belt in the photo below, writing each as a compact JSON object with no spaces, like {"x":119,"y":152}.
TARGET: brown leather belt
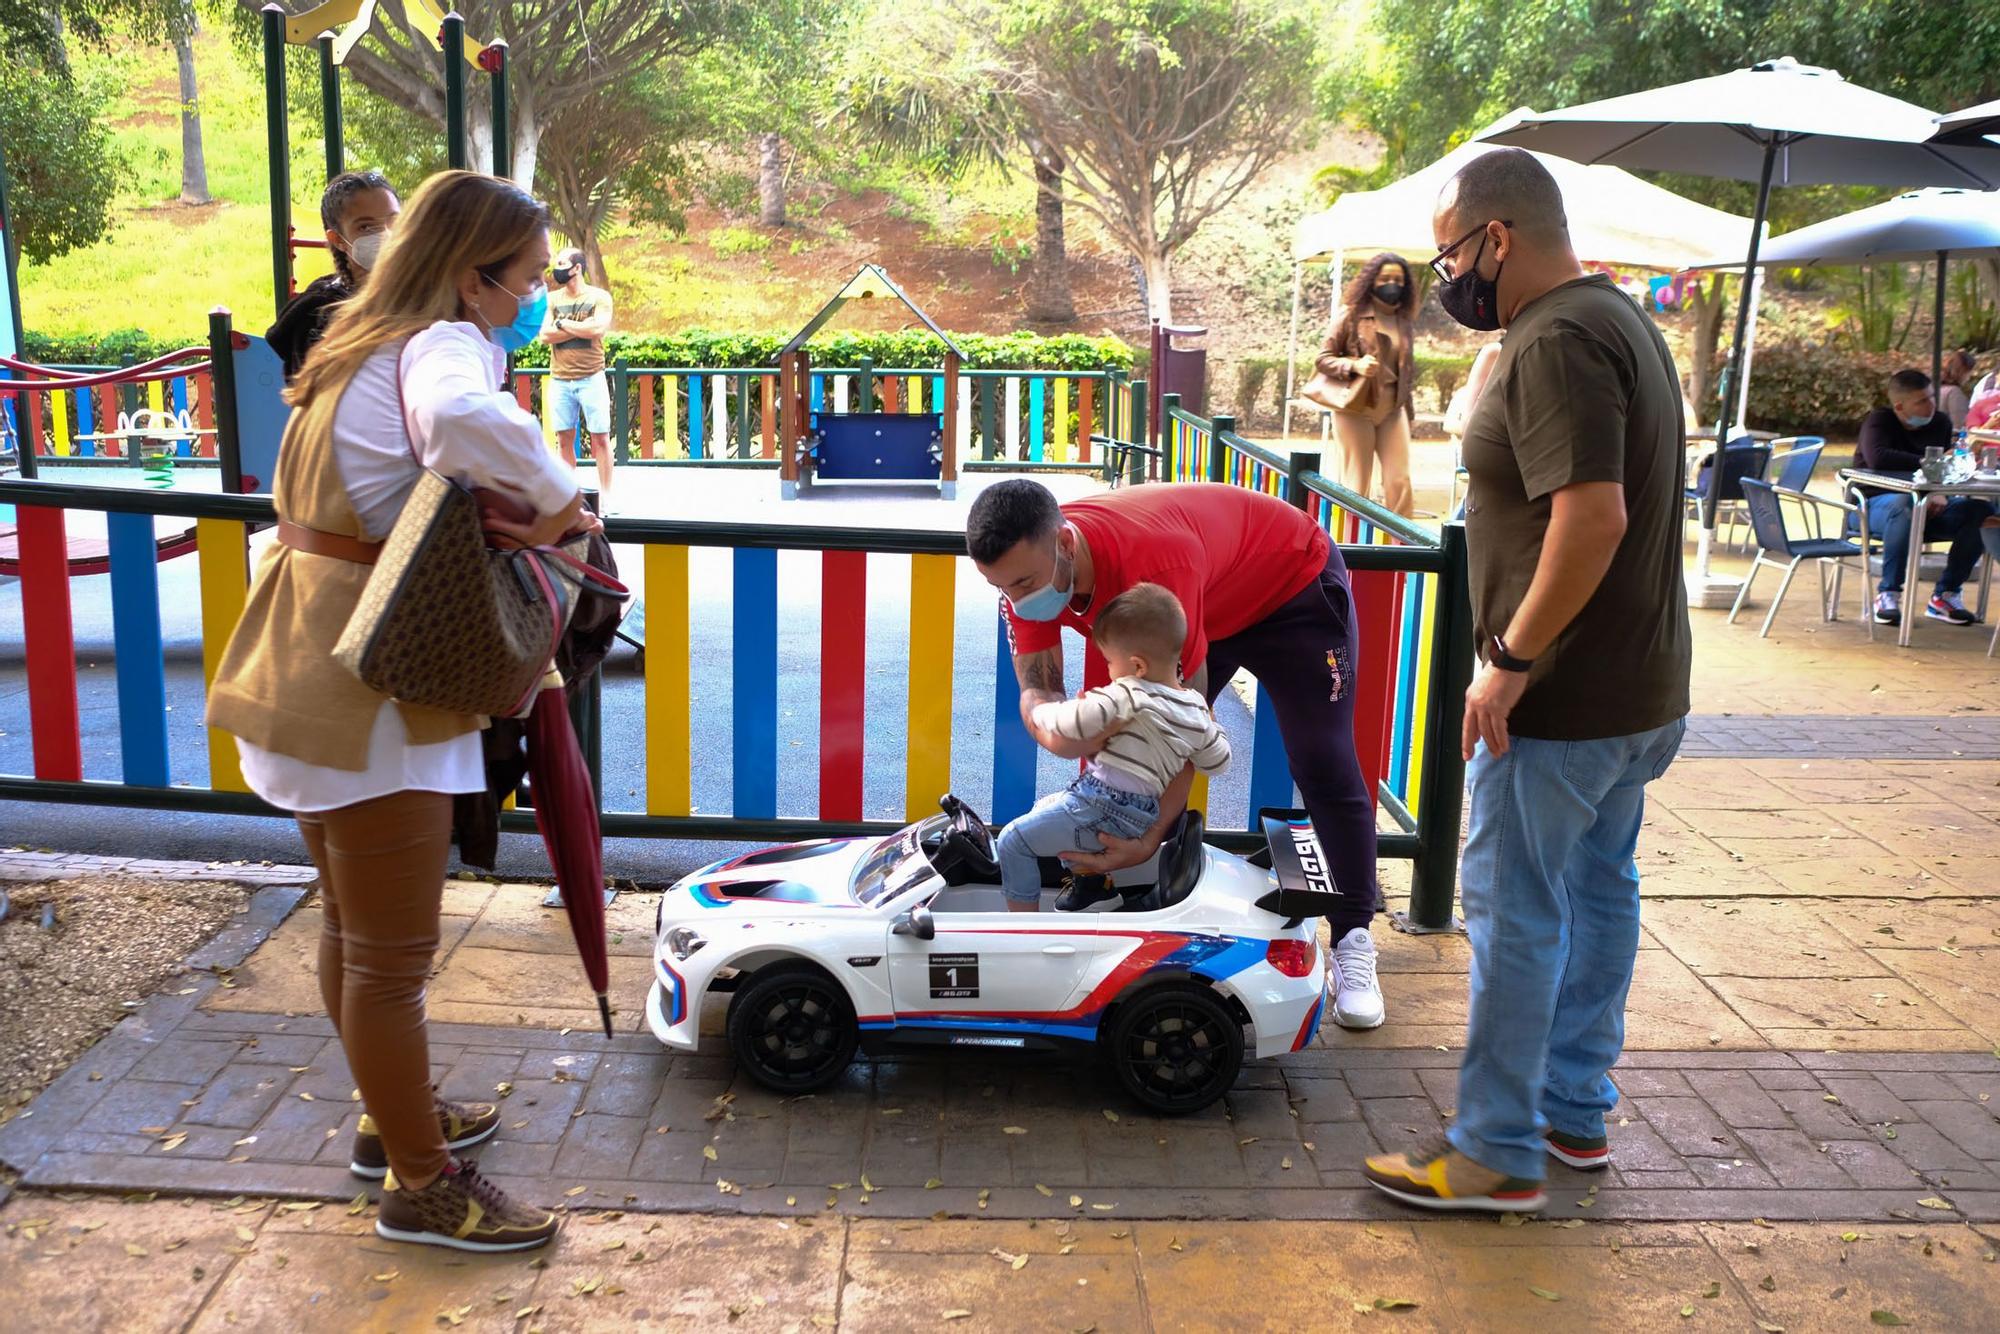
{"x":314,"y":542}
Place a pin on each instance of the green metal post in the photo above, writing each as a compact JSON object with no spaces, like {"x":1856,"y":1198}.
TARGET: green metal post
{"x":278,"y":146}
{"x":621,"y":413}
{"x":864,"y":386}
{"x":222,"y":382}
{"x":1162,"y":437}
{"x":1301,"y":463}
{"x":1434,"y":877}
{"x":503,"y":143}
{"x":1218,"y":452}
{"x":329,"y":101}
{"x":453,"y":40}
{"x":12,"y":314}
{"x":1135,"y":462}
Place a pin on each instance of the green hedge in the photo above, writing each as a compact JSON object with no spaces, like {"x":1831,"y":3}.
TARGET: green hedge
{"x":699,"y":347}
{"x":1801,"y":387}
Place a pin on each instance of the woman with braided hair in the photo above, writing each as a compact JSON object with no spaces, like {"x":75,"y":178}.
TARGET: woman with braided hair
{"x":358,"y":210}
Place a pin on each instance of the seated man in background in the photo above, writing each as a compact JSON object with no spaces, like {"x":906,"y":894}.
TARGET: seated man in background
{"x":1893,"y":440}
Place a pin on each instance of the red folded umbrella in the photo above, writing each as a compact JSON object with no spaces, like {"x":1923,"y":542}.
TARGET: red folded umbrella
{"x":566,"y":814}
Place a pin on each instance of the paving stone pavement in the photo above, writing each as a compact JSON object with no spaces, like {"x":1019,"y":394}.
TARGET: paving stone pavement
{"x":253,"y":1104}
{"x":1857,"y":737}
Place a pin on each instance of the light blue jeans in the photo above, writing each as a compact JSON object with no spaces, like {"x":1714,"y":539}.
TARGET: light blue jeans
{"x":1068,"y":821}
{"x":1551,"y":902}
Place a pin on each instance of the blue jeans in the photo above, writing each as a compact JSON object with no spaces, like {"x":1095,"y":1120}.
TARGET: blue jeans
{"x":1889,"y":520}
{"x":1068,"y":821}
{"x":1551,"y":901}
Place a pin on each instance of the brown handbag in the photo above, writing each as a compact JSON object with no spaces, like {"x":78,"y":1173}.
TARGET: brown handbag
{"x":1354,"y":394}
{"x":449,"y":622}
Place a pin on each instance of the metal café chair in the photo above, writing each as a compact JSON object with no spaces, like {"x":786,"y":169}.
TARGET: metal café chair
{"x":1777,"y":548}
{"x":1742,"y":457}
{"x":1793,"y":460}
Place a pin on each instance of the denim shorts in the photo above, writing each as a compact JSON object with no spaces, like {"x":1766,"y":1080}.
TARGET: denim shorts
{"x":589,"y":398}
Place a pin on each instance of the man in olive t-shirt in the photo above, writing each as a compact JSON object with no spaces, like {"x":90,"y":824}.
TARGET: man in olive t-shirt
{"x":1573,"y":524}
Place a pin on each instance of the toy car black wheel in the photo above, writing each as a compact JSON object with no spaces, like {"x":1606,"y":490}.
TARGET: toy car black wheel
{"x":793,"y":1029}
{"x":1176,"y":1047}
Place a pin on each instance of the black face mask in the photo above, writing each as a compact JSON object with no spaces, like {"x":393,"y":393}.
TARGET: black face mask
{"x":562,"y":275}
{"x":1389,"y":294}
{"x":1470,"y":299}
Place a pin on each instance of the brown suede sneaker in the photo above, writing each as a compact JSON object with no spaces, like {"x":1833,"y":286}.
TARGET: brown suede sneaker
{"x":464,"y":1124}
{"x":462,"y":1210}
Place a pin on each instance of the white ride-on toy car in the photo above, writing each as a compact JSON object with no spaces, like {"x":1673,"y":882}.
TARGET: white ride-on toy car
{"x":905,"y":942}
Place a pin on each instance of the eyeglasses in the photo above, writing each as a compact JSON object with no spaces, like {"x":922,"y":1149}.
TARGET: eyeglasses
{"x":1437,"y":264}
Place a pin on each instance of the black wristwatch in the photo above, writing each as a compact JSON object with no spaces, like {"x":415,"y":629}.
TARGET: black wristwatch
{"x":1498,"y":655}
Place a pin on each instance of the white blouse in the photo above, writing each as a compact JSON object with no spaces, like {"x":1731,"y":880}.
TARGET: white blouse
{"x":455,"y":420}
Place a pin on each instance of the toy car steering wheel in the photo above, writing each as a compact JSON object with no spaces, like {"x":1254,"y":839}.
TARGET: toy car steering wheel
{"x":969,"y":839}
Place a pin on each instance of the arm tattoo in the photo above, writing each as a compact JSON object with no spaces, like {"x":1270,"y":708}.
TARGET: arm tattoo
{"x":1040,"y":671}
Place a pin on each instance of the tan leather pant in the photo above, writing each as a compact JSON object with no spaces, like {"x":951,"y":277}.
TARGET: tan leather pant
{"x":381,"y":873}
{"x":1367,"y":439}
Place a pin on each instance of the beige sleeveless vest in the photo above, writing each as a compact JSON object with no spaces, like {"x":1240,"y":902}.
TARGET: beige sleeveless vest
{"x":278,"y":686}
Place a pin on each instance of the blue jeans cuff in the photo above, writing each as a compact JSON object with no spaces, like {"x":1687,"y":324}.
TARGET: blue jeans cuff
{"x":1525,"y":1164}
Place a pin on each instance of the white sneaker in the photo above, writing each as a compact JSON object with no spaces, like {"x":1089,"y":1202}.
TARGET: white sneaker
{"x":1357,"y":996}
{"x":1888,"y":608}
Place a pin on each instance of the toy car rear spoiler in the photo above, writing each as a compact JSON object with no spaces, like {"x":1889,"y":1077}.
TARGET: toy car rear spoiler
{"x":1305,"y":884}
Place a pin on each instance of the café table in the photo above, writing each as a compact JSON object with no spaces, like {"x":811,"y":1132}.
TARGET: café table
{"x":1984,"y":486}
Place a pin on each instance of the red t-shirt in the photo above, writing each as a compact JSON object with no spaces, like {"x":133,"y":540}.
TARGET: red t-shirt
{"x":1231,"y":556}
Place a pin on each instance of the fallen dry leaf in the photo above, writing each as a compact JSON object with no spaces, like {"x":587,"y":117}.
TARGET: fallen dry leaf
{"x":1545,"y":1294}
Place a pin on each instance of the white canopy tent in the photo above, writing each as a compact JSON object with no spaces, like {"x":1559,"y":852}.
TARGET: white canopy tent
{"x":1614,"y":218}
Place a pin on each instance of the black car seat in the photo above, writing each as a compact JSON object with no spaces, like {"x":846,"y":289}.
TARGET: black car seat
{"x":1180,"y":867}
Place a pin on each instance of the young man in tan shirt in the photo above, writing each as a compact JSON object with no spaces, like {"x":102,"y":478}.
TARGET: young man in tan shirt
{"x":579,"y":318}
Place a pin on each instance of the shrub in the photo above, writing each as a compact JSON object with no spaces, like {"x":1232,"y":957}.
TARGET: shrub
{"x":738,"y":241}
{"x":1821,"y":387}
{"x":1444,"y":372}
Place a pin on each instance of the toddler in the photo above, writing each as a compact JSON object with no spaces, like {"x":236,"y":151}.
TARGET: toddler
{"x":1148,"y":726}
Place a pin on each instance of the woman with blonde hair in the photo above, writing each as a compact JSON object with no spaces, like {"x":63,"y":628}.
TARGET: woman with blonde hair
{"x":1374,"y":339}
{"x":407,"y":378}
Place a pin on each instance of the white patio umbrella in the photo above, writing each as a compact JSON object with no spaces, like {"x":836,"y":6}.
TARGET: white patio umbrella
{"x":1970,"y":126}
{"x":1923,"y":226}
{"x":1775,"y":123}
{"x":1614,"y":218}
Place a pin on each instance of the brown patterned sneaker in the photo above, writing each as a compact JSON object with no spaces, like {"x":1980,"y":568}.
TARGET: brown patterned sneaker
{"x":462,"y":1210}
{"x":464,"y":1124}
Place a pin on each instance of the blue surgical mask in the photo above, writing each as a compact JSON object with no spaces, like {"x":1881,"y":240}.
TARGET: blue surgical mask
{"x":1918,"y":423}
{"x":1047,"y":602}
{"x":530,"y":313}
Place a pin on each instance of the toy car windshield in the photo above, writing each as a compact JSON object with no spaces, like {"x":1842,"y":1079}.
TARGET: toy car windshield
{"x":899,"y":862}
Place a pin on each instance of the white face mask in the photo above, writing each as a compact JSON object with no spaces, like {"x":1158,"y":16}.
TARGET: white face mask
{"x":365,"y":250}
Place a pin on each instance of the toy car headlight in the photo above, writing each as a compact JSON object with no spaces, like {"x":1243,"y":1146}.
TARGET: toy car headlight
{"x":684,"y":941}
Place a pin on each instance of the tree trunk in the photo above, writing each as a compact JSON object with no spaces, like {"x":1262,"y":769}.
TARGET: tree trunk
{"x":194,"y":167}
{"x":1710,"y":304}
{"x":770,"y":179}
{"x":1157,"y":285}
{"x":1049,"y":299}
{"x":527,"y":144}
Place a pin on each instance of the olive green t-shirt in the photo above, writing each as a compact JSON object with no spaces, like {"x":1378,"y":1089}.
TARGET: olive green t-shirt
{"x":1584,"y":390}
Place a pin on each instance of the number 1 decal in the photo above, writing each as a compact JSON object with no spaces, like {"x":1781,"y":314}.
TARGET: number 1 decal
{"x":954,"y":976}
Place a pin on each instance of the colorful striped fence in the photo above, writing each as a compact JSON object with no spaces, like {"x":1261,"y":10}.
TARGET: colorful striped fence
{"x":670,"y":805}
{"x":1414,"y":630}
{"x":695,"y":414}
{"x":175,"y":414}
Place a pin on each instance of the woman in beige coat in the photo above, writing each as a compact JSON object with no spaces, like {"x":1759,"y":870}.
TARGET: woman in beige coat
{"x":407,"y":378}
{"x":1374,"y":338}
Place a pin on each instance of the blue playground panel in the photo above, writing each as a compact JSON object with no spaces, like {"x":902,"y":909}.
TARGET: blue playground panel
{"x":877,"y":446}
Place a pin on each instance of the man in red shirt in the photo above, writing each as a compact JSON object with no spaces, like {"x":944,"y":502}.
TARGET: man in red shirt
{"x":1264,"y":589}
